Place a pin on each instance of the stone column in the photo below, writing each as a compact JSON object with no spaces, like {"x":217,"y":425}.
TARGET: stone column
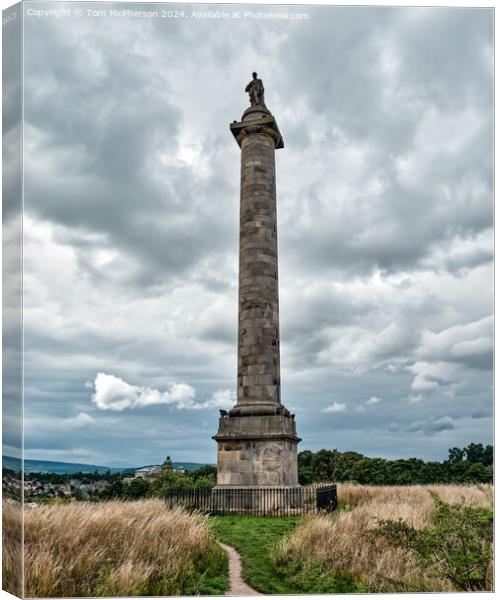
{"x":257,"y":438}
{"x":258,"y":327}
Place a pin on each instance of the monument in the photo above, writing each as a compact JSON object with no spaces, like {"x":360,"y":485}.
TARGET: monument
{"x":257,"y":438}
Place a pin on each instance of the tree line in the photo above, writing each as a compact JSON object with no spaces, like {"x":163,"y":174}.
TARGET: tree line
{"x":144,"y":487}
{"x":124,"y":486}
{"x":472,"y":464}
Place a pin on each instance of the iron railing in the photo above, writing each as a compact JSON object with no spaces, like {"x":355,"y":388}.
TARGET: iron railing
{"x":278,"y":502}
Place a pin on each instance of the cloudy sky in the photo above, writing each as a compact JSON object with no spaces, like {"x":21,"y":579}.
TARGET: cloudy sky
{"x":131,"y":228}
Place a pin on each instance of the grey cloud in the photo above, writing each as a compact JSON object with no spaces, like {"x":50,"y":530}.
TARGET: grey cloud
{"x":384,"y":207}
{"x":481,"y":415}
{"x":113,"y":118}
{"x":388,"y":110}
{"x":434,"y":425}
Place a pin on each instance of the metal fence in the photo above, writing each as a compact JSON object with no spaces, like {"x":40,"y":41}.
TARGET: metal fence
{"x":276,"y":502}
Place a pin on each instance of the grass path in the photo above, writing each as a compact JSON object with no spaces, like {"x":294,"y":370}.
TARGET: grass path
{"x":237,"y":587}
{"x":253,"y":537}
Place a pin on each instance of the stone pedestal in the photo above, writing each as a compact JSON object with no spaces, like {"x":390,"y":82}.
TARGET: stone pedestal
{"x":257,"y":439}
{"x":257,"y":451}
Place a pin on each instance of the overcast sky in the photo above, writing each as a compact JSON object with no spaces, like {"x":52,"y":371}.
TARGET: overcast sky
{"x":384,"y":227}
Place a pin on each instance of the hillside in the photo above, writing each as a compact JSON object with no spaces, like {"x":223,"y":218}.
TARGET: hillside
{"x":62,"y":468}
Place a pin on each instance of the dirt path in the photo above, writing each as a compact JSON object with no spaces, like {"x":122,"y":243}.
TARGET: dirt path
{"x":237,"y":587}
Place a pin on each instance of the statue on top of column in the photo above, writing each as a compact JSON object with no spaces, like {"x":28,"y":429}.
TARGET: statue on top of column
{"x":255,"y":90}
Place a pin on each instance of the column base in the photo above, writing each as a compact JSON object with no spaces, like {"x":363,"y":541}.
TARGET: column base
{"x":257,"y":451}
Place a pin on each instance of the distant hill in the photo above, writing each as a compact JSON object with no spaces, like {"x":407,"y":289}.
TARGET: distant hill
{"x":49,"y":466}
{"x":63,"y":468}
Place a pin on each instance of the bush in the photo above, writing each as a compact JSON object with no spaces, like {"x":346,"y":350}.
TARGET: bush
{"x":458,"y":545}
{"x":314,"y":578}
{"x":342,"y":543}
{"x":138,"y":488}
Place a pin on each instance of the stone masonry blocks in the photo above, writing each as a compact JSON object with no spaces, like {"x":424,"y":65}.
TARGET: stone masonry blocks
{"x":257,"y":451}
{"x":257,"y":440}
{"x":258,"y":330}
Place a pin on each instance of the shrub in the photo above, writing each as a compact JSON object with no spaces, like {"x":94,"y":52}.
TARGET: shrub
{"x":341,"y":543}
{"x":457,"y":546}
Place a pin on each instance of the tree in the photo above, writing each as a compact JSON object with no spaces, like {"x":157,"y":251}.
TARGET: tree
{"x":167,"y":464}
{"x":78,"y":494}
{"x":168,"y":480}
{"x":304,"y":458}
{"x":476,"y":472}
{"x":488,"y":455}
{"x":206,"y":471}
{"x":402,"y":472}
{"x":369,"y":471}
{"x":306,"y":475}
{"x":474,"y":453}
{"x":321,"y":465}
{"x":115,"y":490}
{"x":455,"y":455}
{"x":328,"y":465}
{"x":435,"y":472}
{"x":139,"y":487}
{"x":344,"y":464}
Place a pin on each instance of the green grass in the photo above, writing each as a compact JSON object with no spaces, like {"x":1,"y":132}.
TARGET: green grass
{"x":254,"y":539}
{"x":210,"y":576}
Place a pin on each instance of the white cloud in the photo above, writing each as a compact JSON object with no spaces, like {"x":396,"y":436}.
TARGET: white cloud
{"x":221,"y":399}
{"x":334,"y":408}
{"x":430,"y":376}
{"x":462,"y":342}
{"x":374,"y":400}
{"x":80,"y":421}
{"x":414,"y":399}
{"x":112,"y":393}
{"x":421,"y":384}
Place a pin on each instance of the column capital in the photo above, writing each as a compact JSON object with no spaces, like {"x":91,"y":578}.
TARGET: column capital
{"x":266,"y":124}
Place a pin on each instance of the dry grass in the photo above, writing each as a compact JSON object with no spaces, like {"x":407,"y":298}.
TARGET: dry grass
{"x":340,"y":543}
{"x":414,"y":499}
{"x":12,"y":524}
{"x":115,"y":548}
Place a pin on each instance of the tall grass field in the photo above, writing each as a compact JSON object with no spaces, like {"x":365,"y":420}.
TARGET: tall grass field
{"x":120,"y":549}
{"x":399,"y":538}
{"x":381,"y":539}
